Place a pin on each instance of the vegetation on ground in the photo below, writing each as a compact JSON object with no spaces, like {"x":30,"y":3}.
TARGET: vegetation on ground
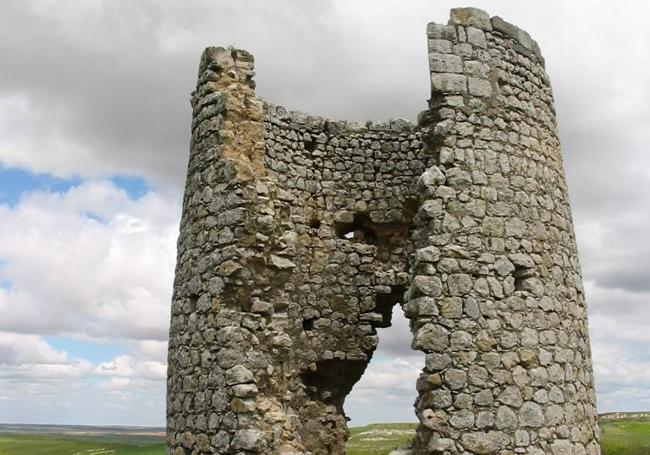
{"x":380,"y":438}
{"x":66,"y":444}
{"x":625,"y":437}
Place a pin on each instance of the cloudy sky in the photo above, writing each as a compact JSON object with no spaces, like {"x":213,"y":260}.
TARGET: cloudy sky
{"x":94,"y":132}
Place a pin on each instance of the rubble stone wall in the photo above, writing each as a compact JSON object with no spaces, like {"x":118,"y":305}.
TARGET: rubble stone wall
{"x":300,"y":234}
{"x":508,"y":362}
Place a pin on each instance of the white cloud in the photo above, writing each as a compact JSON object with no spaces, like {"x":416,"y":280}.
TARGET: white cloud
{"x":75,"y":394}
{"x":19,"y":349}
{"x":386,"y":392}
{"x":393,"y":376}
{"x":20,"y":115}
{"x":30,"y":360}
{"x":619,"y":315}
{"x":41,"y":384}
{"x":127,"y":367}
{"x":90,"y":262}
{"x":389,"y":379}
{"x":149,"y":349}
{"x":614,"y":249}
{"x":93,"y":264}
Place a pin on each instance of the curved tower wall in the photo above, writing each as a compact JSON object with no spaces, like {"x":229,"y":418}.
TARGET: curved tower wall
{"x":294,"y":246}
{"x":299,"y":234}
{"x":508,"y":363}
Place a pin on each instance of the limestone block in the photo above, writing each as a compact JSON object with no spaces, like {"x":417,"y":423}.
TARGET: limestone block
{"x":448,"y":83}
{"x":445,"y":63}
{"x":471,"y":17}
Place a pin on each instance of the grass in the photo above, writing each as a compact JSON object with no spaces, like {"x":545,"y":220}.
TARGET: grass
{"x":380,"y":438}
{"x":625,"y":437}
{"x":51,"y":444}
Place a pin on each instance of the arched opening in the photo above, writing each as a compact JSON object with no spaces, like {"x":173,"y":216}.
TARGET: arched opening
{"x":386,"y":391}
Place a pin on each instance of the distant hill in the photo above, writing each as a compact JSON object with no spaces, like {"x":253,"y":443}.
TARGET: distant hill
{"x":80,"y":429}
{"x":618,"y":416}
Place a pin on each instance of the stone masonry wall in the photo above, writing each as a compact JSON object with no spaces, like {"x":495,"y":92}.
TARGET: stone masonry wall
{"x":508,"y":365}
{"x":300,"y":234}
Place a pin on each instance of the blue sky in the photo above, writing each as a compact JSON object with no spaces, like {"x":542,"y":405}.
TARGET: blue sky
{"x":94,"y":134}
{"x":16,"y":182}
{"x":92,"y":351}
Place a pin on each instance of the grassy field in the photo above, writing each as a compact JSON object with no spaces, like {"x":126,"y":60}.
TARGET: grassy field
{"x":380,"y":438}
{"x":626,"y":437}
{"x":49,"y":444}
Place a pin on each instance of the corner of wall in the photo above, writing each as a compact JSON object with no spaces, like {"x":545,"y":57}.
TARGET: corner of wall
{"x":226,"y":78}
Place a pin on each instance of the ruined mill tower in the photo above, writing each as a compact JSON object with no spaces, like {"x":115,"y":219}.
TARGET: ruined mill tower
{"x":299,"y":234}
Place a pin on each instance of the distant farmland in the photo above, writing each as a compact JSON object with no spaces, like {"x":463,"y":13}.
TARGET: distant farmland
{"x":80,"y":440}
{"x":621,"y":434}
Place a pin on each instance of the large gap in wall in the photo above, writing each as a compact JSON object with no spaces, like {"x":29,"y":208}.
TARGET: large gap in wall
{"x":387,"y":235}
{"x":333,"y":379}
{"x":361,"y":229}
{"x":386,"y":391}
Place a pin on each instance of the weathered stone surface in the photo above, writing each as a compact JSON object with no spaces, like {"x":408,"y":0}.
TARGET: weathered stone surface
{"x":252,"y":440}
{"x":479,"y":87}
{"x":506,"y":418}
{"x":471,"y":17}
{"x":431,"y":338}
{"x":445,"y":63}
{"x":449,"y":82}
{"x":238,"y":375}
{"x":531,"y":415}
{"x":299,"y":234}
{"x":484,"y":443}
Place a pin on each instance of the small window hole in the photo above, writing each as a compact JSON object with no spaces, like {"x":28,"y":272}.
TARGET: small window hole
{"x":308,"y":324}
{"x":520,"y":274}
{"x":310,"y":146}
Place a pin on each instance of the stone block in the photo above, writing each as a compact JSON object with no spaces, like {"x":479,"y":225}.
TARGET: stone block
{"x":479,"y":87}
{"x":439,"y":31}
{"x":440,"y":46}
{"x":445,"y":63}
{"x":448,"y":83}
{"x":512,"y":31}
{"x":471,"y":17}
{"x":249,"y":439}
{"x":476,"y":37}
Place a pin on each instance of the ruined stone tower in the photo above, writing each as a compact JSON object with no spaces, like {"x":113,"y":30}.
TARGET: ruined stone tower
{"x":299,"y":235}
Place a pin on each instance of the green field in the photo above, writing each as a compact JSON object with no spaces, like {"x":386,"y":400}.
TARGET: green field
{"x":380,"y":438}
{"x":626,"y":437}
{"x":49,"y":444}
